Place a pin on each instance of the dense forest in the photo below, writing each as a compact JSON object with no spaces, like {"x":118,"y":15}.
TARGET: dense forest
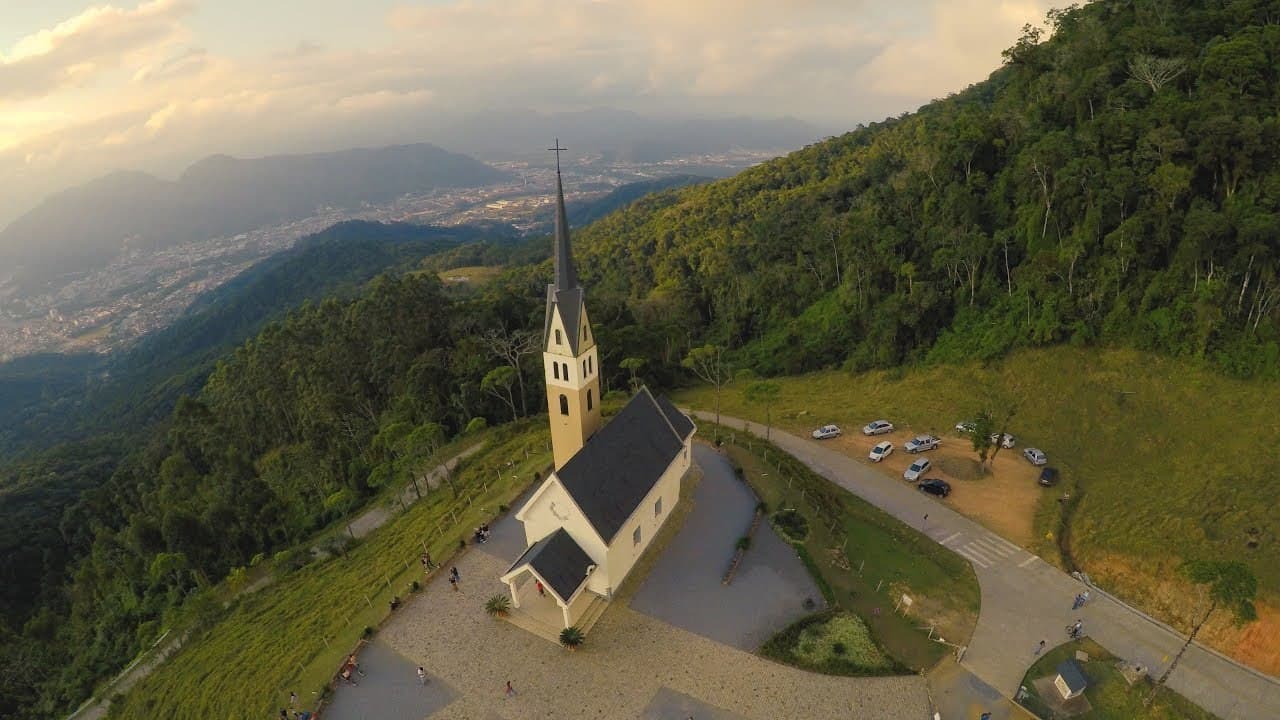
{"x":1116,"y":183}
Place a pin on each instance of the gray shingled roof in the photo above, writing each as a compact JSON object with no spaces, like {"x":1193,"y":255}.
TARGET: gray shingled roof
{"x":620,"y":464}
{"x":559,"y":560}
{"x":566,"y":276}
{"x":1072,"y":675}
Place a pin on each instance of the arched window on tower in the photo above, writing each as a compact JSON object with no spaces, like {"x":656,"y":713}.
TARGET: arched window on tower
{"x":584,"y":368}
{"x":586,"y":334}
{"x":589,"y":399}
{"x":555,"y":368}
{"x":558,"y":342}
{"x":564,"y":370}
{"x":564,"y":405}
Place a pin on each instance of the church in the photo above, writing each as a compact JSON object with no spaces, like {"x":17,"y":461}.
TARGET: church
{"x":613,"y":486}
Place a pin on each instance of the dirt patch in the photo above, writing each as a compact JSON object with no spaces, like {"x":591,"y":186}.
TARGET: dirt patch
{"x":1159,"y":590}
{"x":1004,"y":500}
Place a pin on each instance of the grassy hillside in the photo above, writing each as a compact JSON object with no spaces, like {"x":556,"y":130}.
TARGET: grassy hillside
{"x":1169,"y":462}
{"x":292,"y":635}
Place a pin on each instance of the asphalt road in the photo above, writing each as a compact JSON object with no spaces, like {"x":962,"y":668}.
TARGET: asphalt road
{"x":1026,"y":600}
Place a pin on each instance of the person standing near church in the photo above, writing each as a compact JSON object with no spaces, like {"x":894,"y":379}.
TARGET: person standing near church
{"x":541,"y":590}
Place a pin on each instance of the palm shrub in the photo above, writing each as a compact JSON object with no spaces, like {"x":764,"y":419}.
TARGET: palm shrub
{"x":498,"y":605}
{"x":571,"y":637}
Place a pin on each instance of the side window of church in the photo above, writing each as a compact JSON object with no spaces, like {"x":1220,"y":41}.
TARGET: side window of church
{"x":558,"y":337}
{"x":564,"y":405}
{"x":589,"y":400}
{"x":585,"y":335}
{"x":657,"y":508}
{"x":635,"y":537}
{"x":555,"y":368}
{"x":584,"y":367}
{"x":564,"y":369}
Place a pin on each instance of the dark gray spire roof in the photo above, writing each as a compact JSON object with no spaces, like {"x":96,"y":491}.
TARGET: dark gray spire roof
{"x":560,"y":560}
{"x":619,"y":465}
{"x":566,"y":276}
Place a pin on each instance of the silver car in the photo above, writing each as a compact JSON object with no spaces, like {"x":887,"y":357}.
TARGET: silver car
{"x":1006,"y":441}
{"x":917,"y":468}
{"x":826,"y":431}
{"x":1035,"y":456}
{"x":878,"y":427}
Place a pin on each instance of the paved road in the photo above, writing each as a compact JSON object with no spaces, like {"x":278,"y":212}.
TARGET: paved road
{"x":684,"y":586}
{"x":389,"y":688}
{"x":1025,"y":600}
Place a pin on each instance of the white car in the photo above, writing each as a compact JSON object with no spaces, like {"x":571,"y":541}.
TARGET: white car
{"x":1035,"y":456}
{"x":920,"y":443}
{"x":881,"y":451}
{"x":917,"y":468}
{"x":826,"y":431}
{"x":965,"y":427}
{"x":878,"y":427}
{"x":1006,"y":443}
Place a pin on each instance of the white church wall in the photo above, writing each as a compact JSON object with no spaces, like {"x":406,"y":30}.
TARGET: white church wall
{"x":552,"y":509}
{"x":624,"y":552}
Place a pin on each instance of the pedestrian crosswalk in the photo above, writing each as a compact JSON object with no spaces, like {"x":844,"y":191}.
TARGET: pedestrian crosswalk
{"x":982,"y":550}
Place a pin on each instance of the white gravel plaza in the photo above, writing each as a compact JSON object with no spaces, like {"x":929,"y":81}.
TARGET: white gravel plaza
{"x":632,"y":665}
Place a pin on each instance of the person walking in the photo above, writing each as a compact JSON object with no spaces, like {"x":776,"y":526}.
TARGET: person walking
{"x":453,"y":573}
{"x":453,"y":582}
{"x":422,"y":675}
{"x":1040,"y":648}
{"x":1076,"y":628}
{"x":293,"y":699}
{"x":541,"y":590}
{"x":1078,"y":601}
{"x":510,"y":690}
{"x":1084,"y":598}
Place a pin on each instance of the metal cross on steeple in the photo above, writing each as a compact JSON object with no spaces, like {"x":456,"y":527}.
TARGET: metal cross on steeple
{"x":557,"y":150}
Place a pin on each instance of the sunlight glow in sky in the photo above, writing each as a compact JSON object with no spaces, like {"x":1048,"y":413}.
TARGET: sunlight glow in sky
{"x":88,"y":87}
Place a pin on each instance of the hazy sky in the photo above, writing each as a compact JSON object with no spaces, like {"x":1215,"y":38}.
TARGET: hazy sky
{"x":90,"y":87}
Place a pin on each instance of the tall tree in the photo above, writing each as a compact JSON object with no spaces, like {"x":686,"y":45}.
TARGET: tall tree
{"x":497,"y":382}
{"x":511,"y":346}
{"x":763,"y":392}
{"x":707,"y":362}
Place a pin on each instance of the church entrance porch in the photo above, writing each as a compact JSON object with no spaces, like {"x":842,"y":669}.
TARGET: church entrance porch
{"x":544,"y":614}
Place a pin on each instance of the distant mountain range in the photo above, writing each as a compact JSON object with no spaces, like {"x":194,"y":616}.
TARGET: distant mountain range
{"x":83,"y":227}
{"x":618,"y":135}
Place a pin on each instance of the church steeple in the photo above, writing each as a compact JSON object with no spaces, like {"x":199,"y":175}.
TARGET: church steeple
{"x":566,"y":276}
{"x":570,"y":358}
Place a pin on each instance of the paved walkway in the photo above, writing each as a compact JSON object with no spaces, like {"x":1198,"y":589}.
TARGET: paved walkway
{"x":1025,"y":600}
{"x":389,"y":688}
{"x":632,"y":666}
{"x":683,"y":588}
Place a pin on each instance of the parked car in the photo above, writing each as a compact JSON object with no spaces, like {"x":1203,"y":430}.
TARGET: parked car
{"x":917,"y":468}
{"x":878,"y":427}
{"x":1049,"y":476}
{"x":934,"y":486}
{"x":826,"y":431}
{"x":881,"y":451}
{"x":965,"y":427}
{"x":1006,"y":442}
{"x":1034,"y":456}
{"x":920,"y":443}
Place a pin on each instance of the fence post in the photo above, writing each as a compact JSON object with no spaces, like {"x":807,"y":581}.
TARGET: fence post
{"x":878,"y":585}
{"x":367,"y":600}
{"x":387,"y":576}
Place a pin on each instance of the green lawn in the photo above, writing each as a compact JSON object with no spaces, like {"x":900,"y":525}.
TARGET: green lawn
{"x":293,"y":634}
{"x":835,"y":643}
{"x":1168,"y":461}
{"x":886,"y":558}
{"x":1110,"y":695}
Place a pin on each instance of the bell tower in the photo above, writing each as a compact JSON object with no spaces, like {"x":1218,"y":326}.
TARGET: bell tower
{"x":570,"y":361}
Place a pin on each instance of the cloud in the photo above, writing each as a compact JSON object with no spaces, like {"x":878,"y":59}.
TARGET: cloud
{"x":138,"y":87}
{"x":79,"y":49}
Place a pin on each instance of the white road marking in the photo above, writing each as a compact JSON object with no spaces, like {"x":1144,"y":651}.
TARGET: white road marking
{"x":981,"y":552}
{"x":1001,"y":541}
{"x":1028,"y":561}
{"x":993,"y":548}
{"x":972,"y":558}
{"x":951,"y":537}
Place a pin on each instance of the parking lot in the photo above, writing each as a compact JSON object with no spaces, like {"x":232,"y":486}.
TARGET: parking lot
{"x":1004,"y":499}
